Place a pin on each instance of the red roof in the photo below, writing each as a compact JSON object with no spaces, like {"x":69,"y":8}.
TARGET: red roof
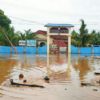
{"x":41,"y":32}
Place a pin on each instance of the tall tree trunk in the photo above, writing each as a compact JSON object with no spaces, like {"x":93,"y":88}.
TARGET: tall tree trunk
{"x":79,"y":50}
{"x":10,"y":42}
{"x":92,"y":50}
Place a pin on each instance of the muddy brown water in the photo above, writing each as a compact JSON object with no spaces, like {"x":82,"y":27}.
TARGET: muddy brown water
{"x":81,"y":68}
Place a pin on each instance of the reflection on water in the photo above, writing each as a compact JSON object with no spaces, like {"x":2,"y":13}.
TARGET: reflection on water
{"x":5,"y":67}
{"x":60,"y":72}
{"x":80,"y":68}
{"x":58,"y":59}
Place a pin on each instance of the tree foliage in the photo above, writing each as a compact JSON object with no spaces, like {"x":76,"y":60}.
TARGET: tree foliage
{"x":84,"y":38}
{"x":4,"y":21}
{"x":83,"y":34}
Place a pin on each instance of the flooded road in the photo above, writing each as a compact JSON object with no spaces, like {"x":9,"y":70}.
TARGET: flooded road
{"x":81,"y":69}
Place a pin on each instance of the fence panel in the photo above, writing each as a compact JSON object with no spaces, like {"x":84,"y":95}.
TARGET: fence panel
{"x":5,"y":49}
{"x":42,"y":50}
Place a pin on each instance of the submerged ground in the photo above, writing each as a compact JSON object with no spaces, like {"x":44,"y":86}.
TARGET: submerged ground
{"x":65,"y":80}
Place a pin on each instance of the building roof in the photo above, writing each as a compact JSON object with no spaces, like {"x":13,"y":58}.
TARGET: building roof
{"x":41,"y":32}
{"x":58,"y":25}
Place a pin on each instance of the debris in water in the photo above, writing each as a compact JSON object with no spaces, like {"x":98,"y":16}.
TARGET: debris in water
{"x":95,"y":89}
{"x":21,"y":76}
{"x":24,"y":81}
{"x":97,"y":73}
{"x":29,"y":85}
{"x":46,"y":78}
{"x":86,"y":84}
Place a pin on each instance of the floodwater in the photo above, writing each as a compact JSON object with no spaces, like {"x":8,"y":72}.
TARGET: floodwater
{"x":34,"y":67}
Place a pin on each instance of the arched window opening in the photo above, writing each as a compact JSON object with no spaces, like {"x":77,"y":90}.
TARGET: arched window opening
{"x":64,"y":30}
{"x":42,"y":44}
{"x":54,"y":30}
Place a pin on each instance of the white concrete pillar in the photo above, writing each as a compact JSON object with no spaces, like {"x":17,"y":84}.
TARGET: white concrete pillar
{"x":69,"y":44}
{"x":48,"y":50}
{"x":48,"y":41}
{"x":69,"y":51}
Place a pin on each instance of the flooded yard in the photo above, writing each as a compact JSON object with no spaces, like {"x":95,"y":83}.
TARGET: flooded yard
{"x":67,"y":82}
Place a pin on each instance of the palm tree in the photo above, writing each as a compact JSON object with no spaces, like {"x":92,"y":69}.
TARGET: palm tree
{"x":80,"y":39}
{"x":29,"y":34}
{"x":83,"y":33}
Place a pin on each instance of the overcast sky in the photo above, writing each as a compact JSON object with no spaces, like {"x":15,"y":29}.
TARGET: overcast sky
{"x":33,"y":14}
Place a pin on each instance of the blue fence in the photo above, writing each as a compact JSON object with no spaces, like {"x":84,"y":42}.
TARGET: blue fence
{"x":4,"y":49}
{"x":43,"y":50}
{"x":21,"y":49}
{"x":85,"y":50}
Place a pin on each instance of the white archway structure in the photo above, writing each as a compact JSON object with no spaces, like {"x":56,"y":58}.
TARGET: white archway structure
{"x":61,"y":30}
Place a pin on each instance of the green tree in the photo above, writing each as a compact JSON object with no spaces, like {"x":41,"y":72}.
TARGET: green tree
{"x":75,"y":39}
{"x":29,"y":34}
{"x":13,"y":36}
{"x":4,"y":29}
{"x":94,"y":38}
{"x":83,"y":33}
{"x":80,"y":39}
{"x":4,"y":21}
